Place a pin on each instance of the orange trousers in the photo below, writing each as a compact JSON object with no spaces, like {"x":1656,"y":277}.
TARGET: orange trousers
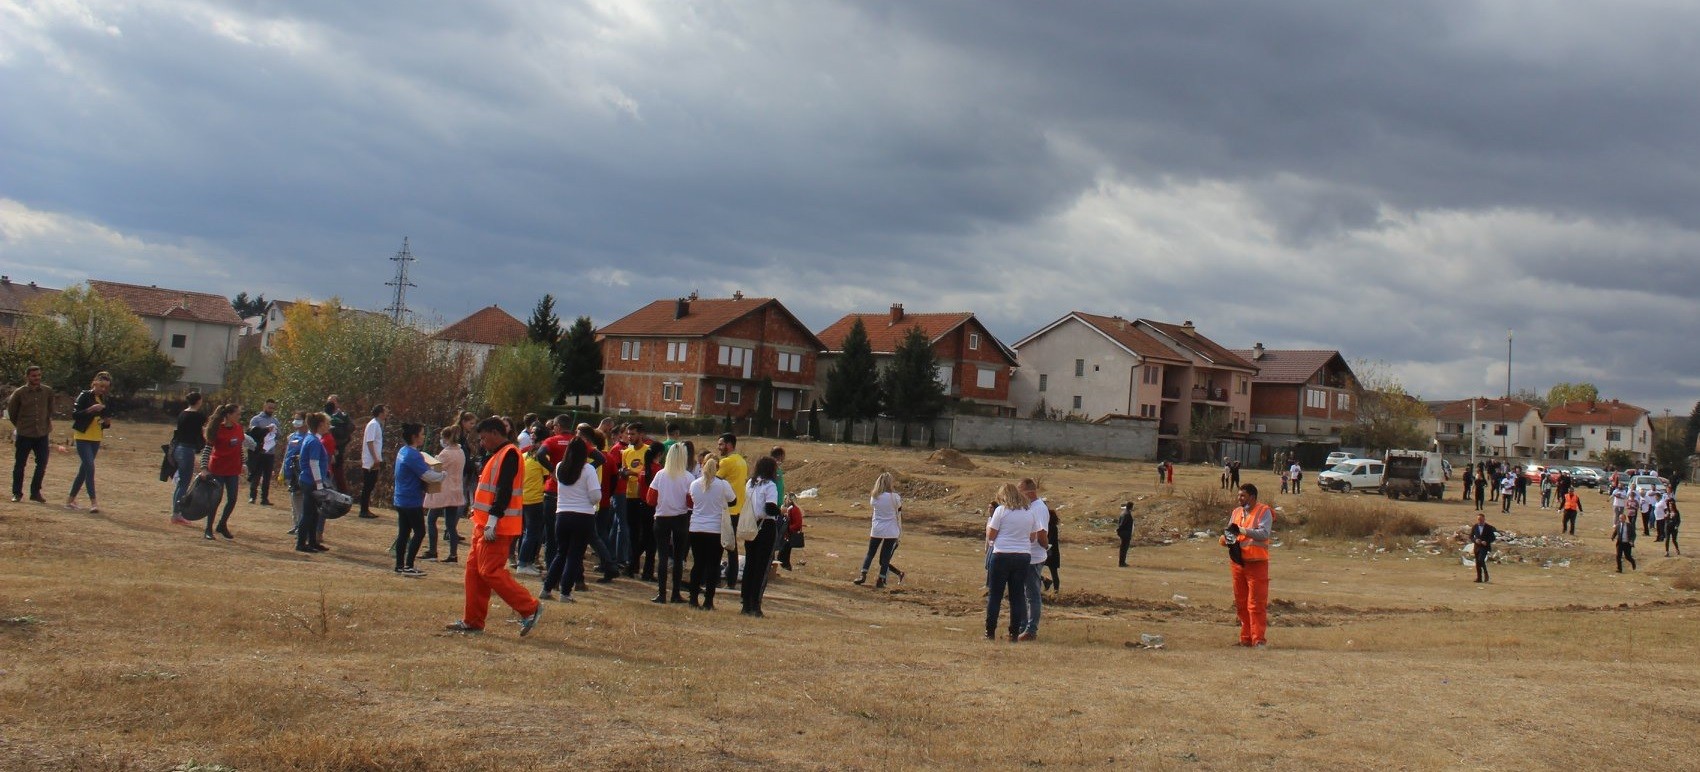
{"x":1251,"y":600}
{"x":486,"y":572}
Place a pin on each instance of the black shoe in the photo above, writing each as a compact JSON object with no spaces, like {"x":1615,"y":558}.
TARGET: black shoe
{"x":368,"y":516}
{"x":321,"y":548}
{"x":225,"y":532}
{"x":450,"y":559}
{"x":658,"y":599}
{"x":880,"y":582}
{"x":862,"y":579}
{"x":708,"y":605}
{"x":429,"y":555}
{"x":37,"y":498}
{"x":304,"y":548}
{"x":677,"y":598}
{"x":265,"y":503}
{"x":292,"y":531}
{"x":607,"y":578}
{"x":899,"y":575}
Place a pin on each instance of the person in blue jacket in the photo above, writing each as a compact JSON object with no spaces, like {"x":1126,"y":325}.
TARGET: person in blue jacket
{"x":411,"y":475}
{"x":315,"y":475}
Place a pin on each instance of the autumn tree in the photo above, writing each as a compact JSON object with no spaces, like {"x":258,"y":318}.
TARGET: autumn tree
{"x":518,"y":377}
{"x":77,"y":333}
{"x":1565,"y":393}
{"x":1388,"y":416}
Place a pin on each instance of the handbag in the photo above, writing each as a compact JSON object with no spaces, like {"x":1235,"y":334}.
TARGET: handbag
{"x":202,"y":499}
{"x":797,"y":540}
{"x":167,"y":464}
{"x":332,"y":504}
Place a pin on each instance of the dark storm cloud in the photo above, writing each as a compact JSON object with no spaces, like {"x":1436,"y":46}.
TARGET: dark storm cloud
{"x":1403,"y":182}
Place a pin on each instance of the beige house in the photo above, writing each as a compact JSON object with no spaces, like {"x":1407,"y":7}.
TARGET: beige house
{"x":1578,"y":431}
{"x":198,"y":330}
{"x":1089,"y":366}
{"x":1501,"y":428}
{"x":486,"y":330}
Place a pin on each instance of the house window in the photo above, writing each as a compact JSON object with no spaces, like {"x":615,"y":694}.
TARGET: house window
{"x":733,"y":356}
{"x":1244,"y":385}
{"x":988,"y":379}
{"x":1614,"y":435}
{"x":785,"y":399}
{"x":1044,"y":380}
{"x":973,"y":341}
{"x":735,"y":394}
{"x":630,"y":349}
{"x":1316,"y":398}
{"x":1079,"y":367}
{"x":1147,"y":411}
{"x":1499,"y":430}
{"x":943,"y":375}
{"x":1077,"y":402}
{"x":1342,"y":402}
{"x":719,"y":393}
{"x":790,"y":363}
{"x":667,"y":392}
{"x":677,"y":350}
{"x":1153,"y":375}
{"x":179,"y":341}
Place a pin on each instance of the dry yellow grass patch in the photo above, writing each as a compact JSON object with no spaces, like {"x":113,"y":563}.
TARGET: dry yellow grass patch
{"x":129,"y":643}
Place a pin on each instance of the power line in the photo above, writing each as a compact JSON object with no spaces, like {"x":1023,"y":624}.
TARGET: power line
{"x":397,"y":309}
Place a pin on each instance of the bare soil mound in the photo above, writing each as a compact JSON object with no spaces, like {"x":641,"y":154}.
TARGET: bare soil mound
{"x":951,"y":457}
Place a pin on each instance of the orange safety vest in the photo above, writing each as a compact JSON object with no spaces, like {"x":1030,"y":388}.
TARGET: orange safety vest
{"x":1252,"y":549}
{"x":1572,"y":502}
{"x":484,"y":498}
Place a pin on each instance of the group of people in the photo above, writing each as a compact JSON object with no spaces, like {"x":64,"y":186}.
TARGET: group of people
{"x":1021,"y":544}
{"x":30,"y":407}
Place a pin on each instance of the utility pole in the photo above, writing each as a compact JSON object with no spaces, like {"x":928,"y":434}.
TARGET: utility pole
{"x":1507,"y":401}
{"x":398,"y":304}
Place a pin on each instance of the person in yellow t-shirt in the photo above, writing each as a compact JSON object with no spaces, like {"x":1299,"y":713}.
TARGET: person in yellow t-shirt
{"x":539,"y":521}
{"x":735,"y":472}
{"x":88,"y":422}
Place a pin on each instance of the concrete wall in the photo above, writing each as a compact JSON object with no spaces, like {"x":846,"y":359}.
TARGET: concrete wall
{"x":985,"y":433}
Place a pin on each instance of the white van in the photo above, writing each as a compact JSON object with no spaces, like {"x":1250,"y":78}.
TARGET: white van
{"x":1357,"y":473}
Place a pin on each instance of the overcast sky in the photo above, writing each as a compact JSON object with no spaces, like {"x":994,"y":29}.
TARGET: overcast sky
{"x":1403,"y":182}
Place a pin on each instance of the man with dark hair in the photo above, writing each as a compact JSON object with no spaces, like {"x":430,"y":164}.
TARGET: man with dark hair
{"x":341,"y":431}
{"x":371,"y":458}
{"x":263,"y":427}
{"x":736,"y":473}
{"x":31,"y":409}
{"x":497,"y":519}
{"x":1482,"y":537}
{"x":675,"y":435}
{"x":1247,"y":538}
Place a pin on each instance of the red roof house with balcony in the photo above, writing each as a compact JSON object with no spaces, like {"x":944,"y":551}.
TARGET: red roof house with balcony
{"x":707,"y":357}
{"x":974,"y":366}
{"x":1300,"y":395}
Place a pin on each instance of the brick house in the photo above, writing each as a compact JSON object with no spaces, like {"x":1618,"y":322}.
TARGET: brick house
{"x":480,"y":333}
{"x":16,"y":301}
{"x":1300,"y":395}
{"x":1577,"y":431}
{"x":707,"y":357}
{"x":197,"y":330}
{"x":1503,"y":428}
{"x":973,"y":365}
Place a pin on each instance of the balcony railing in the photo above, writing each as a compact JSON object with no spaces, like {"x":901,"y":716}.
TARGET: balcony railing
{"x":1210,"y":394}
{"x":1171,"y":430}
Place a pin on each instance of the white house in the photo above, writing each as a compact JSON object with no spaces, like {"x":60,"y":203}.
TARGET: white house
{"x":198,"y":330}
{"x":1503,"y":428}
{"x":1578,"y":431}
{"x":481,"y":333}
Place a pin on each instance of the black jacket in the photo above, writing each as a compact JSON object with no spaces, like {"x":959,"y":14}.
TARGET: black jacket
{"x":1483,"y":535}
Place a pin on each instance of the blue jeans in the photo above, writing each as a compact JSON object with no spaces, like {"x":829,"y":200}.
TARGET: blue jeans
{"x":1009,"y":574}
{"x":611,"y":525}
{"x":184,"y":457}
{"x":451,"y":534}
{"x":86,"y":451}
{"x":539,"y":530}
{"x":1035,"y":585}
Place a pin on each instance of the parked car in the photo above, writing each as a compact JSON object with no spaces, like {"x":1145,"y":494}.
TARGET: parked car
{"x":1585,"y":476}
{"x":1335,"y":458}
{"x":1356,"y":473}
{"x":1648,"y":483}
{"x":1534,"y":472}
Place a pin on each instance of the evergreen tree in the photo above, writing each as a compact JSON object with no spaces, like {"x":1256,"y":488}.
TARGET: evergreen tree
{"x":911,"y":384}
{"x":764,"y":407}
{"x":580,"y":360}
{"x":852,"y":388}
{"x":544,"y":326}
{"x":246,"y":307}
{"x":1693,"y":434}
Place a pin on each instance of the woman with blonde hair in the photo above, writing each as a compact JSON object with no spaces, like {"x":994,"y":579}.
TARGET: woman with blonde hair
{"x":887,"y":507}
{"x":672,"y":490}
{"x":710,"y":529}
{"x":1011,"y":532}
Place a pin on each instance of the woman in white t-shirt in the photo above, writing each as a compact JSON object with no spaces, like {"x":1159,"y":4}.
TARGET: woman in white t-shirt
{"x":759,"y":527}
{"x":578,"y":490}
{"x":672,"y":487}
{"x":888,"y":526}
{"x":1011,"y":532}
{"x":710,"y":496}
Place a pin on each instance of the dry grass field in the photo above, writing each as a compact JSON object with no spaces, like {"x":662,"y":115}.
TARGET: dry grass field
{"x":128,"y":643}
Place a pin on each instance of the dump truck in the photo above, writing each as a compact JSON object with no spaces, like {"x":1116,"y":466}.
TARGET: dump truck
{"x":1414,"y":474}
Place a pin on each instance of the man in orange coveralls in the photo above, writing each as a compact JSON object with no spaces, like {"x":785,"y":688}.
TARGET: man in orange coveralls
{"x":1247,"y":540}
{"x":497,"y":520}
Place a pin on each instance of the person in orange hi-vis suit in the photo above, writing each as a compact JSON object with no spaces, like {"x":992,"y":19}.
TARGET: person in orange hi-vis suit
{"x":497,"y":520}
{"x":1247,"y":540}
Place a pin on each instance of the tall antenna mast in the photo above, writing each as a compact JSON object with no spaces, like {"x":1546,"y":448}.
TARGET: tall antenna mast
{"x":398,"y":305}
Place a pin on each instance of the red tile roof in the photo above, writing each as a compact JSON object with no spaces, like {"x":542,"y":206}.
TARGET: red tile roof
{"x":1486,"y":409}
{"x":1123,"y":333}
{"x":703,"y":317}
{"x":490,"y":326}
{"x":1188,"y":337}
{"x":884,"y":334}
{"x":159,"y":302}
{"x":1288,"y":365}
{"x":15,"y":298}
{"x":1598,"y":413}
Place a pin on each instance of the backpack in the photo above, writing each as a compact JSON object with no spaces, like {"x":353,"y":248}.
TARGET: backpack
{"x":341,"y":429}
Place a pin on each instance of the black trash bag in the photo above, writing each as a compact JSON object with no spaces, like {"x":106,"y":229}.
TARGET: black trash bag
{"x":332,"y":504}
{"x":202,"y":500}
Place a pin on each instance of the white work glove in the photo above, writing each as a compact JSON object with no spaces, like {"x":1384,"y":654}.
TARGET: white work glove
{"x":490,"y":528}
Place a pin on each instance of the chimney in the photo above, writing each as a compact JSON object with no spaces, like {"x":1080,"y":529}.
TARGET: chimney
{"x":5,"y":280}
{"x":1257,"y":352}
{"x":1590,"y":406}
{"x":896,"y":313}
{"x":1187,"y":325}
{"x":681,"y":308}
{"x":738,"y":295}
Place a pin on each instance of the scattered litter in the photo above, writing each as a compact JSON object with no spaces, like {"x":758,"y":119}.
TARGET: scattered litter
{"x":1147,"y":641}
{"x":809,"y":493}
{"x":1181,"y":599}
